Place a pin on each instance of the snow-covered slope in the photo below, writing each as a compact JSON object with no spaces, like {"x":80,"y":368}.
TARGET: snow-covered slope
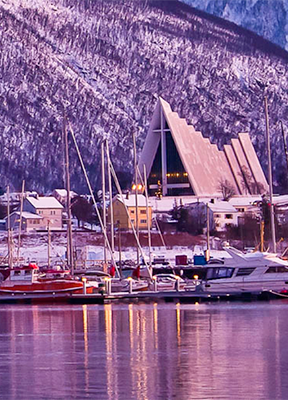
{"x":268,"y":18}
{"x":106,"y":63}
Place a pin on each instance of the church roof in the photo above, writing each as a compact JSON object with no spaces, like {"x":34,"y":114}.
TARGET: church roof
{"x":206,"y":165}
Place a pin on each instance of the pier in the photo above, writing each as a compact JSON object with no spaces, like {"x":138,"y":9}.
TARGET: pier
{"x":182,"y":296}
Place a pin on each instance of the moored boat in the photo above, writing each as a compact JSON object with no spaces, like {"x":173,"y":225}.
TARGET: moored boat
{"x":30,"y":280}
{"x":251,"y":272}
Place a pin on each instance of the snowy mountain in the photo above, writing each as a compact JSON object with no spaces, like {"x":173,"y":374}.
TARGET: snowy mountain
{"x":267,"y":18}
{"x":105,"y":63}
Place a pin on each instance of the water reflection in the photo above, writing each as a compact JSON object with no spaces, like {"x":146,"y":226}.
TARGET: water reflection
{"x":140,"y":351}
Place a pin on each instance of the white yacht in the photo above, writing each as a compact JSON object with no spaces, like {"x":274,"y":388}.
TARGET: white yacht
{"x":251,"y":272}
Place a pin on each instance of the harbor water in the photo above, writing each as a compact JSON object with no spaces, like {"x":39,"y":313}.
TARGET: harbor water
{"x":144,"y":351}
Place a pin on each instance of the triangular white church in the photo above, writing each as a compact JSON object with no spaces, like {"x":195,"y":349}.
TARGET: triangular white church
{"x":183,"y":162}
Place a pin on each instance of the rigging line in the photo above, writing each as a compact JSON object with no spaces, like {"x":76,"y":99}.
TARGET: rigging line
{"x":129,"y":218}
{"x":155,"y":219}
{"x":160,"y":233}
{"x":145,"y":184}
{"x":93,"y":199}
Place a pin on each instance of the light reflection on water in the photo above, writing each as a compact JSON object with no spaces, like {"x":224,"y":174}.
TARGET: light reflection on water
{"x":144,"y":351}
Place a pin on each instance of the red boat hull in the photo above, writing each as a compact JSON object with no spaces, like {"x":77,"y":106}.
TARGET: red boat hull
{"x":57,"y":286}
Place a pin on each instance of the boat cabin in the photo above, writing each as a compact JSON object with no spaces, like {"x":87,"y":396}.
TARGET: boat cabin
{"x":27,"y":274}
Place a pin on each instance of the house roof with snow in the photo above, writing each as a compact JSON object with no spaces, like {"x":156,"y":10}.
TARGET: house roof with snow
{"x":130,"y":200}
{"x":222,"y":207}
{"x":180,"y":160}
{"x":26,"y":215}
{"x":44,"y":202}
{"x":216,"y":207}
{"x":63,"y":193}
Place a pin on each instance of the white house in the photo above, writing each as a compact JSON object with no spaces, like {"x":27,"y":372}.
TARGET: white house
{"x":48,"y":208}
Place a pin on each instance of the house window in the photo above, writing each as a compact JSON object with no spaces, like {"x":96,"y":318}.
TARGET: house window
{"x":132,"y":211}
{"x":217,"y":215}
{"x":142,"y":211}
{"x":132,"y":220}
{"x":40,"y":212}
{"x":143,"y":221}
{"x":52,"y":212}
{"x":228,"y":216}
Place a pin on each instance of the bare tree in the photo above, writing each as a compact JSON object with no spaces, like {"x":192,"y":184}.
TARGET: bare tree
{"x":227,"y":189}
{"x":248,"y":182}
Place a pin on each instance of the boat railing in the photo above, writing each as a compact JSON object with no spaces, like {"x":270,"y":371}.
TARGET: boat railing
{"x":90,"y":264}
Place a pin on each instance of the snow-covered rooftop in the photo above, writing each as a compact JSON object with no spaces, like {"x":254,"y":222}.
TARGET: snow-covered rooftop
{"x":130,"y":200}
{"x":44,"y":202}
{"x":63,"y":192}
{"x":244,"y":201}
{"x":222,"y":207}
{"x":26,"y":215}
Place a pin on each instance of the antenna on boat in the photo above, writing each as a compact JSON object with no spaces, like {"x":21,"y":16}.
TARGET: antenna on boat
{"x":270,"y":177}
{"x":70,"y":258}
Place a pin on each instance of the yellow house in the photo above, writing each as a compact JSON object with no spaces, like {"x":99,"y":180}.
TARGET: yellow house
{"x":120,"y":215}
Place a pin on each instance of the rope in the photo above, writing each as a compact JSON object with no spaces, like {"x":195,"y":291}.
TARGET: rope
{"x":276,"y":293}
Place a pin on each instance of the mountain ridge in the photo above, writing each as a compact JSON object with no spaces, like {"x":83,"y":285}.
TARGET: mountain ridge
{"x":105,"y":63}
{"x":267,"y":18}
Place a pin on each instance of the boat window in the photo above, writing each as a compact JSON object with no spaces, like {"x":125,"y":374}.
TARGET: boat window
{"x":244,"y":271}
{"x":17,"y":273}
{"x":219,"y":273}
{"x":28,"y":272}
{"x":274,"y":270}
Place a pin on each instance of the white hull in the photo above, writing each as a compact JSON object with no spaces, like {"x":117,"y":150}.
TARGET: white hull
{"x":254,"y":272}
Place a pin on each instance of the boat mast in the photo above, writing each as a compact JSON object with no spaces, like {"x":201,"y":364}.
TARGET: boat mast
{"x":136,"y":193}
{"x":270,"y":177}
{"x":104,"y":202}
{"x":10,"y":255}
{"x":262,"y":223}
{"x":70,"y":259}
{"x":110,"y":198}
{"x":147,"y":216}
{"x":20,"y":221}
{"x":285,"y":143}
{"x":49,"y":243}
{"x":208,"y":233}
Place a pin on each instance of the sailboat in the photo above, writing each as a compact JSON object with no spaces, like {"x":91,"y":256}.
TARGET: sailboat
{"x":29,"y":279}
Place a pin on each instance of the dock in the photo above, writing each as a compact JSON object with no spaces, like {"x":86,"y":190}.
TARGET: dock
{"x":172,"y":296}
